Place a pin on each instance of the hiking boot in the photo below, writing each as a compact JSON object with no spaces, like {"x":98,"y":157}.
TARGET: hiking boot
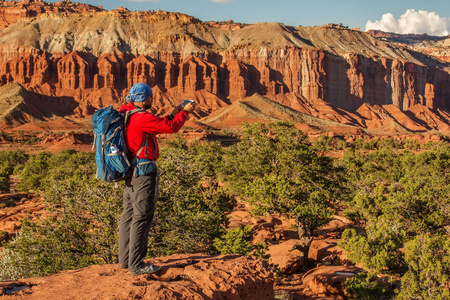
{"x":122,"y":267}
{"x":150,"y":269}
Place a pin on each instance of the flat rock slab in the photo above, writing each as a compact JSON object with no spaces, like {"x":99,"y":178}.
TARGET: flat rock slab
{"x":181,"y":277}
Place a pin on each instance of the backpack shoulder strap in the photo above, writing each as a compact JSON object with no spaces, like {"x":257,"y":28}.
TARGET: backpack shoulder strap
{"x":128,"y":114}
{"x":143,"y":146}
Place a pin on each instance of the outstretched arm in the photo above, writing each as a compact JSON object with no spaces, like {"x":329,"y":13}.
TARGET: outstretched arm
{"x":156,"y":125}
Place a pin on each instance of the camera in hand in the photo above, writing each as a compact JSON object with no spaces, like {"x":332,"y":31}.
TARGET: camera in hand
{"x":185,"y":102}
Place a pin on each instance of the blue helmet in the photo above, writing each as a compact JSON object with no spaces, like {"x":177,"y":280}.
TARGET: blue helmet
{"x":139,"y":92}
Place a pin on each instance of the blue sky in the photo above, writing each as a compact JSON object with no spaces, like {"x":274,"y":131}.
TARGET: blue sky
{"x":351,"y":13}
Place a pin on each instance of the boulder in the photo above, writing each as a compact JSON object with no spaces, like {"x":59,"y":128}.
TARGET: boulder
{"x":327,"y":251}
{"x":263,"y":236}
{"x":288,"y":261}
{"x":328,"y":281}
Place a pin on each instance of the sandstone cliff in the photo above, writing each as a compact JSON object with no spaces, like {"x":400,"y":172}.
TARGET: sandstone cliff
{"x":95,"y":57}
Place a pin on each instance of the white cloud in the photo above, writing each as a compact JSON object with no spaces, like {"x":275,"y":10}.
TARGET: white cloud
{"x":416,"y":22}
{"x":142,"y":1}
{"x":221,"y":1}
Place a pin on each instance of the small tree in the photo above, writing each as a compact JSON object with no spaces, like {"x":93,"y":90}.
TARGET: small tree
{"x":275,"y":167}
{"x":428,"y":259}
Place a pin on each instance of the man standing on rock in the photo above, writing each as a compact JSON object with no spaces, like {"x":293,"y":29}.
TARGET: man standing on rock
{"x":141,"y":188}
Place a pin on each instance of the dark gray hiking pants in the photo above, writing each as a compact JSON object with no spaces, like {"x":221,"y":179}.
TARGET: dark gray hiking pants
{"x":139,"y":198}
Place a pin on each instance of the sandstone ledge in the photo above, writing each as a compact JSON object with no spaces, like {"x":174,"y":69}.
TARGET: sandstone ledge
{"x":195,"y":276}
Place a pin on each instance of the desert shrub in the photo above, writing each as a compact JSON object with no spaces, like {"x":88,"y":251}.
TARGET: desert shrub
{"x":357,"y":144}
{"x":397,"y":196}
{"x":9,"y":160}
{"x":50,"y":246}
{"x":18,"y":169}
{"x":4,"y":181}
{"x":9,"y":268}
{"x":378,"y":248}
{"x":275,"y":167}
{"x":371,"y":144}
{"x":45,"y":167}
{"x":209,"y":158}
{"x":341,"y":145}
{"x":33,"y":140}
{"x":34,"y":171}
{"x":365,"y":144}
{"x":4,"y":236}
{"x":324,"y":143}
{"x":364,"y":286}
{"x":235,"y":241}
{"x":390,"y":143}
{"x":430,"y":146}
{"x":411,"y":187}
{"x":260,"y":250}
{"x":411,"y":145}
{"x":87,"y":213}
{"x":81,"y":227}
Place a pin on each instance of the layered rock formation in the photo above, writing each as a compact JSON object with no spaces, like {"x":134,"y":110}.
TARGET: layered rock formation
{"x":95,"y":58}
{"x":13,"y":11}
{"x":435,"y":46}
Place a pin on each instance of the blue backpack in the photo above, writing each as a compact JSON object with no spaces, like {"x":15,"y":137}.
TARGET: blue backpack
{"x":111,"y":154}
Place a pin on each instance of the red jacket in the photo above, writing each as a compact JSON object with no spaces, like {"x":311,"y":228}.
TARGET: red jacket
{"x":142,"y":123}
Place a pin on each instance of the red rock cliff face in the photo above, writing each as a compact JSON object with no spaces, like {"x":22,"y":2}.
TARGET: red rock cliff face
{"x":181,"y":57}
{"x":381,"y":81}
{"x":312,"y":74}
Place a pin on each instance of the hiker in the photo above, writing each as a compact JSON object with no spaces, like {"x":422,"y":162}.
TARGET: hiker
{"x":141,"y":187}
